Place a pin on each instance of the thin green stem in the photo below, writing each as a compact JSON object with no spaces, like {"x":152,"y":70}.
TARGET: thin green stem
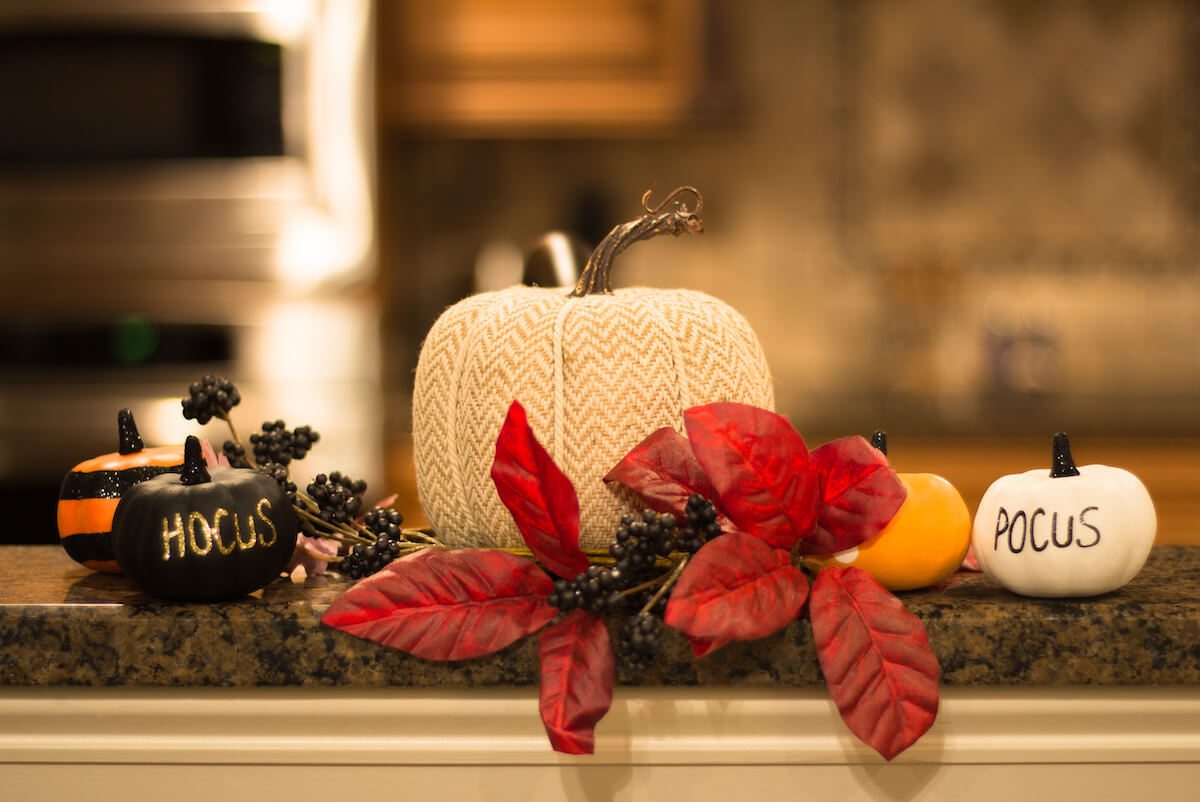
{"x":650,"y":583}
{"x":524,"y":552}
{"x":228,"y":418}
{"x":309,"y":506}
{"x":232,"y":431}
{"x":671,"y":579}
{"x":329,"y":530}
{"x":413,"y":535}
{"x":307,"y":501}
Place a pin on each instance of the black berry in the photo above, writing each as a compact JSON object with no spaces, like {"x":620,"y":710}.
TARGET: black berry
{"x":641,"y":540}
{"x":384,"y":523}
{"x":701,"y":524}
{"x":364,"y":560}
{"x":235,"y":453}
{"x":210,"y":397}
{"x":639,"y":642}
{"x":592,"y":590}
{"x":338,"y":497}
{"x":274,"y":443}
{"x":280,"y":474}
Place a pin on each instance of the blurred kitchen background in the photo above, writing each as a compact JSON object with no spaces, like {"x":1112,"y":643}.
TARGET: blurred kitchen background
{"x":972,"y":224}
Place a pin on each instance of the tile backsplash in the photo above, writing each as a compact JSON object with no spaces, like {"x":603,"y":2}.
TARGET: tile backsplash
{"x":947,"y":216}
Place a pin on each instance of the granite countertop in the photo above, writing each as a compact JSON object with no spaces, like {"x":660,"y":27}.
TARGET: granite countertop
{"x":63,"y":625}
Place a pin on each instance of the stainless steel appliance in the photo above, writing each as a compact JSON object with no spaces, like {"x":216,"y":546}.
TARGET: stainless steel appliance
{"x":185,"y":187}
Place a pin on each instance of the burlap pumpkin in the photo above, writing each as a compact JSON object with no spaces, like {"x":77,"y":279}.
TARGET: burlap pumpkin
{"x":596,"y":370}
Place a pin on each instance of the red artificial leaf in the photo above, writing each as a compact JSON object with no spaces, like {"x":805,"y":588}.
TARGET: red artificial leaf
{"x":760,"y":467}
{"x":703,"y":648}
{"x":447,"y":605}
{"x":860,"y":494}
{"x":578,"y":672}
{"x":876,"y":658}
{"x":539,"y":496}
{"x":736,"y":588}
{"x":970,"y":562}
{"x":663,"y":470}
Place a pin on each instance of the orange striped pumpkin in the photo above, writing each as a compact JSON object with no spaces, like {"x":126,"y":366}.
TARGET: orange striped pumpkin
{"x":91,"y":491}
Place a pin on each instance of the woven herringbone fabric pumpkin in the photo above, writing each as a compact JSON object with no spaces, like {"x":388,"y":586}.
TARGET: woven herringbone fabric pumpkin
{"x":596,"y":371}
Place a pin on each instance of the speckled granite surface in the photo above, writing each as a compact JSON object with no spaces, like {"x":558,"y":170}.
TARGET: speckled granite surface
{"x":62,"y":625}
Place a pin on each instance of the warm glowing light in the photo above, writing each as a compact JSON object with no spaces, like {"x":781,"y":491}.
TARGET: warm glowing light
{"x":333,"y":237}
{"x":314,"y":246}
{"x":285,"y":20}
{"x":162,"y":423}
{"x":320,"y":364}
{"x":326,"y":340}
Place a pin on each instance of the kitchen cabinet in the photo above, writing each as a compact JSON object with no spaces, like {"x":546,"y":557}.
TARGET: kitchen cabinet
{"x":538,"y":67}
{"x":108,"y":695}
{"x":122,"y":745}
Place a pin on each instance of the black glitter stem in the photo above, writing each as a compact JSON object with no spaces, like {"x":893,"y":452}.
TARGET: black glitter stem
{"x":879,"y":441}
{"x":194,"y":470}
{"x":128,"y":439}
{"x":1063,"y":464}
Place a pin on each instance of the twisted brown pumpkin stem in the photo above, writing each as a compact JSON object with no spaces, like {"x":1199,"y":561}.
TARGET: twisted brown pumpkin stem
{"x":194,"y":472}
{"x":672,"y":216}
{"x":128,"y":439}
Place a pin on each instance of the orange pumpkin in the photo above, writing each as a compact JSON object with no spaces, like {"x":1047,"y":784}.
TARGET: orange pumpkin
{"x":925,"y":541}
{"x":91,"y":491}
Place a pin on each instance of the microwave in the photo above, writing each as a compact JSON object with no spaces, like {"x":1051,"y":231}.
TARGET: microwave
{"x":186,"y":187}
{"x":155,"y":140}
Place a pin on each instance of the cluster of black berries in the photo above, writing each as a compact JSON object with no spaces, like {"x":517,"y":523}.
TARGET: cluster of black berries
{"x":641,"y":633}
{"x":639,"y":642}
{"x":701,"y":525}
{"x":384,"y":523}
{"x":597,"y":590}
{"x":211,"y":397}
{"x":276,"y":444}
{"x":641,"y":540}
{"x":364,"y":560}
{"x":638,"y":601}
{"x":235,"y":453}
{"x":280,"y":474}
{"x":338,"y":497}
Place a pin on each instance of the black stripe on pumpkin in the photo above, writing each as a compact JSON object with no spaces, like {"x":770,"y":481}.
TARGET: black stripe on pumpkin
{"x":87,"y":546}
{"x":109,"y":484}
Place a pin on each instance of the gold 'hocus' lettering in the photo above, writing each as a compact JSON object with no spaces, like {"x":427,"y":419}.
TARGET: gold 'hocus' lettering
{"x":237,"y":533}
{"x":216,"y":531}
{"x":173,"y":533}
{"x":195,"y":518}
{"x":262,"y":541}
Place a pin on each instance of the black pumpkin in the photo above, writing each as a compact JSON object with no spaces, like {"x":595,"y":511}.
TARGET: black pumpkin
{"x":200,"y":536}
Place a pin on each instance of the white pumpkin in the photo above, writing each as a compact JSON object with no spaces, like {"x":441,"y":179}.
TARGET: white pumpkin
{"x":596,"y":370}
{"x":1064,"y":532}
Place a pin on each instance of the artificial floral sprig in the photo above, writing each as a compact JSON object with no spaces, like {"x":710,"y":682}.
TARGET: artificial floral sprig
{"x":732,"y":507}
{"x":329,"y":507}
{"x":772,"y":502}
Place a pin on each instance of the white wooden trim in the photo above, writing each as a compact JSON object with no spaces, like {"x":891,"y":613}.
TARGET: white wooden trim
{"x":407,"y":727}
